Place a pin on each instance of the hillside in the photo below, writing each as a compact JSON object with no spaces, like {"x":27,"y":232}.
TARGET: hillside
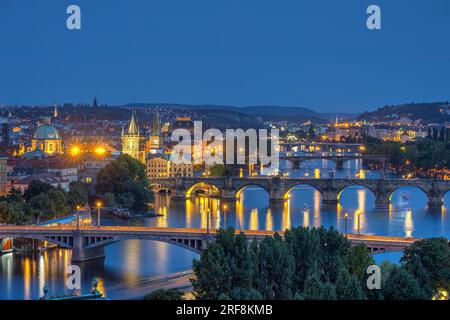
{"x":248,"y":113}
{"x":434,"y":112}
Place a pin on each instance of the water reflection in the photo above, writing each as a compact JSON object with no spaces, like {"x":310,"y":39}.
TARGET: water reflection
{"x":129,"y":264}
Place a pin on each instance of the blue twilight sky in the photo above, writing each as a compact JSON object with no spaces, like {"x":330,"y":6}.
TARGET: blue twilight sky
{"x":315,"y":53}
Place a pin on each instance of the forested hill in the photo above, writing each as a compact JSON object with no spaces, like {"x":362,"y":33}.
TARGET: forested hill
{"x":434,"y":112}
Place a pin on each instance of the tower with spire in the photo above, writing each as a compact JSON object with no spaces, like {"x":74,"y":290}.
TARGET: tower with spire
{"x":55,"y":111}
{"x":132,"y":140}
{"x":155,"y":141}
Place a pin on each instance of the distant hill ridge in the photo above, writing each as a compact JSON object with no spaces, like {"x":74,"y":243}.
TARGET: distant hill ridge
{"x":273,"y":112}
{"x":432,"y":112}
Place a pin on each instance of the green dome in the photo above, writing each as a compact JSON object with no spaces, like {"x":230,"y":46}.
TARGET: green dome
{"x":46,"y":132}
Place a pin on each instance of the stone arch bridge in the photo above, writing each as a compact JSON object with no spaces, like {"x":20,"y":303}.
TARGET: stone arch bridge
{"x":88,"y":243}
{"x":229,"y":188}
{"x":339,"y":160}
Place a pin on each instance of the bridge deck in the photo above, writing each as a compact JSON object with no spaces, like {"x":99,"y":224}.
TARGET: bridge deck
{"x":120,"y":230}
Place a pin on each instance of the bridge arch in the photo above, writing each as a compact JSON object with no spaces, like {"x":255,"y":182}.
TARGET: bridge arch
{"x":361,"y":194}
{"x":409,"y":192}
{"x":207,"y":187}
{"x":446,"y":199}
{"x":241,"y":188}
{"x":287,"y":194}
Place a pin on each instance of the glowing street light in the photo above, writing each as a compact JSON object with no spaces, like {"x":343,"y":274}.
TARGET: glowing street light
{"x":100,"y":150}
{"x":225,"y":216}
{"x":75,"y":151}
{"x":78,"y":216}
{"x":98,"y":205}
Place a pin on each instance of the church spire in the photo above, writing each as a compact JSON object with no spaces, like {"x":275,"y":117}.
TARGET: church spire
{"x":55,"y":111}
{"x":156,"y":125}
{"x":133,"y":127}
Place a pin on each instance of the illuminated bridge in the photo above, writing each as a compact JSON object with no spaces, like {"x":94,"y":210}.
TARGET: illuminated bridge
{"x":88,"y":243}
{"x":279,"y":188}
{"x":338,"y":159}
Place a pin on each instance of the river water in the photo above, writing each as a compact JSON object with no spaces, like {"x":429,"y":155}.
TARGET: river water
{"x":129,"y":265}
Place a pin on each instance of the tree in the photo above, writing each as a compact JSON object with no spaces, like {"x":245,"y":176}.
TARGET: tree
{"x":110,"y":201}
{"x":275,"y":269}
{"x":401,"y":285}
{"x":306,"y":264}
{"x":348,"y":287}
{"x":36,"y":188}
{"x":78,"y":194}
{"x":165,"y":294}
{"x":416,"y":269}
{"x":227,"y":263}
{"x":126,"y":179}
{"x":434,"y":256}
{"x":313,"y":288}
{"x":358,"y":259}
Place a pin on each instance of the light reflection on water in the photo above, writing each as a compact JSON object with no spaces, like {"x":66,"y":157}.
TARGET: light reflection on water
{"x":129,"y":263}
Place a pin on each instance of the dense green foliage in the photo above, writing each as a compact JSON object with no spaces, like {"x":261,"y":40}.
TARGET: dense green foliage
{"x":307,"y":264}
{"x":314,"y":264}
{"x":429,"y":261}
{"x":125,"y":182}
{"x":423,"y":154}
{"x":165,"y":294}
{"x":41,"y":202}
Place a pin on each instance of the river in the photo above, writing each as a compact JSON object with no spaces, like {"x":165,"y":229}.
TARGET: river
{"x":131,"y":267}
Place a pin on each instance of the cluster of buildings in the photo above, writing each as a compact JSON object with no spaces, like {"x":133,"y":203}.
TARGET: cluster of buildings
{"x":402,"y":130}
{"x":51,"y":158}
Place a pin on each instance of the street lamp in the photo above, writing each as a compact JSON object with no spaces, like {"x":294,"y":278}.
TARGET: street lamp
{"x":358,"y":216}
{"x":346,"y":219}
{"x":225,"y":216}
{"x":98,"y":204}
{"x":75,"y":151}
{"x":78,"y":217}
{"x":207,"y":223}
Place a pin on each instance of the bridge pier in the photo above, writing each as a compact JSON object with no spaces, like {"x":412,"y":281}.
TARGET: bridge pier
{"x":382,"y":200}
{"x":296,"y":164}
{"x":178,"y":194}
{"x":330,"y":198}
{"x":276,"y":196}
{"x":339,"y":164}
{"x":228,"y":195}
{"x":435,"y":201}
{"x":80,"y":253}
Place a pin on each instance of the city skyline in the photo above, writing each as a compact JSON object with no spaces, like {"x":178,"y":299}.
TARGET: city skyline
{"x":319,"y":56}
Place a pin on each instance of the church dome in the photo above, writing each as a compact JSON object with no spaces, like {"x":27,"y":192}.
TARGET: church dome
{"x":46,"y":132}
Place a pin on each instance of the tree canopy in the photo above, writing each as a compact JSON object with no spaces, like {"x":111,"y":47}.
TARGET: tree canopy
{"x":125,"y":180}
{"x":314,"y":264}
{"x":40,"y":202}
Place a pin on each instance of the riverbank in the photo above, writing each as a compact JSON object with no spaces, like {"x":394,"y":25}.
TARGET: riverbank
{"x":177,"y":280}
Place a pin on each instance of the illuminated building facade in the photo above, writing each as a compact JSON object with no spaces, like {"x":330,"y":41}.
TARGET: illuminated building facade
{"x":159,"y":166}
{"x":47,"y":139}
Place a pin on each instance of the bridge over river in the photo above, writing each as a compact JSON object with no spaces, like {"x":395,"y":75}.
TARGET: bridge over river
{"x":88,"y":243}
{"x":338,"y":159}
{"x":278,"y":188}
